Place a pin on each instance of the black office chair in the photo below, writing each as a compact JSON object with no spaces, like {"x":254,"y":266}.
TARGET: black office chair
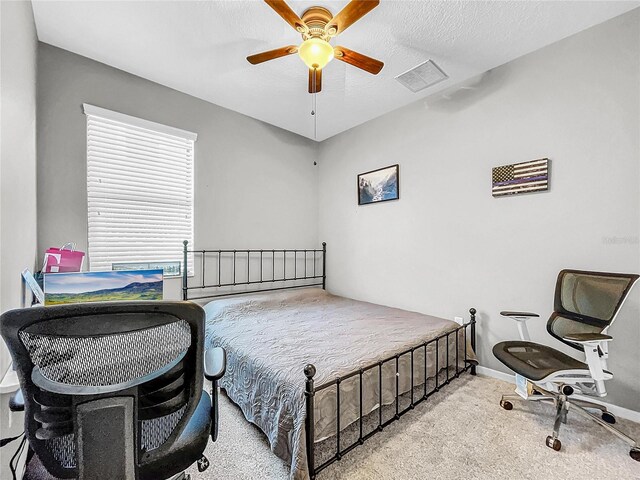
{"x":114,"y":390}
{"x":586,"y":304}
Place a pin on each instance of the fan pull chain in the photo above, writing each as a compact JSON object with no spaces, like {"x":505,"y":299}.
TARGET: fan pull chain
{"x":315,"y":116}
{"x":314,"y":104}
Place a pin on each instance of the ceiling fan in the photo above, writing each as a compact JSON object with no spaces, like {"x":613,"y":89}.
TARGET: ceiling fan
{"x":317,"y":27}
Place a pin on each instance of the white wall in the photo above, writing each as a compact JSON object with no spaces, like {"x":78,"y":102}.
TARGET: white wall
{"x":447,"y":245}
{"x":17,"y":154}
{"x":255,"y":184}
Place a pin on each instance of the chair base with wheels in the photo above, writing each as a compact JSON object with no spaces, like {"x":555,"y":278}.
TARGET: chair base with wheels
{"x":586,"y":304}
{"x":563,"y":405}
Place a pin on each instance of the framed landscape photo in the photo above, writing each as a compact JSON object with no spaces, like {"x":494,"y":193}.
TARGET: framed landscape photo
{"x":60,"y":288}
{"x":170,"y":269}
{"x":379,"y":185}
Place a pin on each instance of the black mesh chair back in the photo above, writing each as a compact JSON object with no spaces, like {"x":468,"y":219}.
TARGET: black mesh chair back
{"x":587,"y":302}
{"x":108,"y":387}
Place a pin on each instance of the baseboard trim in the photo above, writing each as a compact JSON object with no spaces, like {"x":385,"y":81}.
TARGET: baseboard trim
{"x":490,"y":372}
{"x":621,"y":412}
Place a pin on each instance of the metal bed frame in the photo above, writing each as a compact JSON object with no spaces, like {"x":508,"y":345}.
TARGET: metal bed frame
{"x":311,"y":390}
{"x":312,"y":278}
{"x":304,"y":274}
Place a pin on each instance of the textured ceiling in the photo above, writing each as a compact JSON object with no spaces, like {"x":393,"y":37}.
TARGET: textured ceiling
{"x":199,"y":47}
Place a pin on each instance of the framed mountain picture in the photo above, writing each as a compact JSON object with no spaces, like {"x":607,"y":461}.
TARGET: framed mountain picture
{"x":80,"y":287}
{"x":379,"y":185}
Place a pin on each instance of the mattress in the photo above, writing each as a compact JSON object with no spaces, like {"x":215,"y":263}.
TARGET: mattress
{"x":269,"y":338}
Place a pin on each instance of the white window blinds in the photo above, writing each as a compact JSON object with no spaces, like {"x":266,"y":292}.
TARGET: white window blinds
{"x":140,"y":190}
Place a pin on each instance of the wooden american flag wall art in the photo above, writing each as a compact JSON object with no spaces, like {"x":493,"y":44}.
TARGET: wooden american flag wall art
{"x":525,"y":177}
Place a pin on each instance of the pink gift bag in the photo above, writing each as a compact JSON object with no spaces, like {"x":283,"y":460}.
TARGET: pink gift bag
{"x":63,"y":259}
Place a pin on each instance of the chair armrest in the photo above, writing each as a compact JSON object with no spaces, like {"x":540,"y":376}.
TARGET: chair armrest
{"x":521,"y":321}
{"x":587,"y":337}
{"x":518,"y":315}
{"x":215,"y":363}
{"x":16,"y":402}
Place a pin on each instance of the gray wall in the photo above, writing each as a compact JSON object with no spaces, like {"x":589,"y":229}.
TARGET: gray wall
{"x":447,"y":245}
{"x":17,"y":177}
{"x":17,"y":154}
{"x":255,"y":187}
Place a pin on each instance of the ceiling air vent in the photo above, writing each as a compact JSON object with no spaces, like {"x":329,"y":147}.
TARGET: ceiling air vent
{"x":423,"y":76}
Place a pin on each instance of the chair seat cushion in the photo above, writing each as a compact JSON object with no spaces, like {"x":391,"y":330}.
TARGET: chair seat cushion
{"x":535,"y":361}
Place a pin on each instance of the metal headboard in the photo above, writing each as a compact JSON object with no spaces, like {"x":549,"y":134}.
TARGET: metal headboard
{"x":232,"y":268}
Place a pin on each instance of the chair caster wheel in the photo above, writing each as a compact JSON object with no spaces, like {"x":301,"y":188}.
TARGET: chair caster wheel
{"x":567,"y":390}
{"x":554,"y":443}
{"x":203,"y":464}
{"x":608,"y":417}
{"x":507,"y":405}
{"x":635,"y":454}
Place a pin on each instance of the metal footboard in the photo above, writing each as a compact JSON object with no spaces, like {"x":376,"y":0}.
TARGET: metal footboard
{"x":311,"y":390}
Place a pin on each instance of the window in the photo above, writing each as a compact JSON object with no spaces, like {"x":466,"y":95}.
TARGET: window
{"x":139,"y":189}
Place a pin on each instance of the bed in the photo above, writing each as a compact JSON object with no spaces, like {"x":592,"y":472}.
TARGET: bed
{"x":320,"y":373}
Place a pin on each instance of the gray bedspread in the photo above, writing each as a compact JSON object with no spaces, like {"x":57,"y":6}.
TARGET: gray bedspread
{"x":269,"y":338}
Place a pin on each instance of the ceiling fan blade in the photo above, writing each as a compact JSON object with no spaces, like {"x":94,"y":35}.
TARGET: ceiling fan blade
{"x":354,"y":11}
{"x":289,"y":16}
{"x":318,"y":84}
{"x":359,"y":60}
{"x":271,"y":54}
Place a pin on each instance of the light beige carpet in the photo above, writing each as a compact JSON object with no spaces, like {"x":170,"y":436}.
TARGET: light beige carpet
{"x":459,"y":433}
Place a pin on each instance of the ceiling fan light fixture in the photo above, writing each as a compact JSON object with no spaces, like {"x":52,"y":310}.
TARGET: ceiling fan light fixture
{"x":315,"y":53}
